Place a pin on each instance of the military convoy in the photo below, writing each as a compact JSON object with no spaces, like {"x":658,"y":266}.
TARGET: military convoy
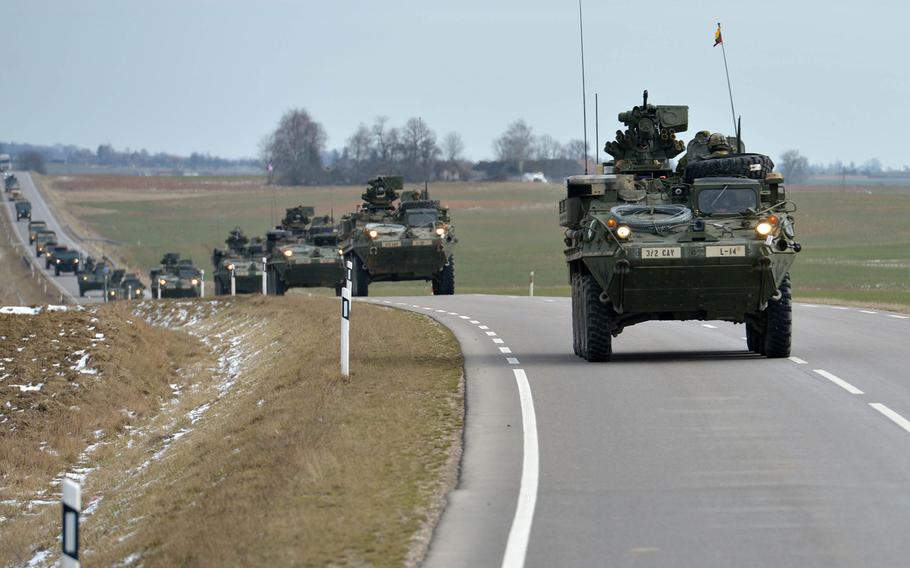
{"x":410,"y":241}
{"x":242,"y":260}
{"x":176,"y":278}
{"x":23,"y":209}
{"x":712,"y":239}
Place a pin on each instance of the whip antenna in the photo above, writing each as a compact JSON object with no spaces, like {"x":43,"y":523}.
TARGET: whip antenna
{"x":584,"y":106}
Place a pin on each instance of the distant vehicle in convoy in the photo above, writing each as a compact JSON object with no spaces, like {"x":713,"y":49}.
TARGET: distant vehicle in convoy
{"x":243,"y":257}
{"x":10,"y":182}
{"x":33,"y":228}
{"x":67,"y":261}
{"x":125,"y":287}
{"x":94,"y":276}
{"x":23,"y":209}
{"x":711,"y":240}
{"x":176,"y":278}
{"x":50,"y":253}
{"x":43,"y":239}
{"x":303,"y":253}
{"x":412,"y":241}
{"x":14,"y":195}
{"x":5,"y":163}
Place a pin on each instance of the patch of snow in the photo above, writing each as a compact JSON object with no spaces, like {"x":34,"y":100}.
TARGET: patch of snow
{"x":19,"y":310}
{"x":92,"y":507}
{"x":80,"y":366}
{"x":195,"y":415}
{"x":39,"y":559}
{"x":29,"y":387}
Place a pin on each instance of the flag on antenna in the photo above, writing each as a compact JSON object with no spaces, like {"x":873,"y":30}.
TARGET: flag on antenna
{"x":717,"y":37}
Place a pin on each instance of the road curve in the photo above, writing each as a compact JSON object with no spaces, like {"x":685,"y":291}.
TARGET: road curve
{"x":686,"y":450}
{"x":66,"y":284}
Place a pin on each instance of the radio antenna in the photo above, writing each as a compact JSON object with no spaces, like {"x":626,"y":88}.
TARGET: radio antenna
{"x":584,"y":106}
{"x":596,"y":132}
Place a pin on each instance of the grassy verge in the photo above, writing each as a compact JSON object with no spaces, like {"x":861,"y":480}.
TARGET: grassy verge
{"x":262,"y":455}
{"x":856,"y":239}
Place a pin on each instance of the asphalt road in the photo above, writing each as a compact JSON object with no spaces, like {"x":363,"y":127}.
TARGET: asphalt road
{"x":65,"y":283}
{"x":686,"y":450}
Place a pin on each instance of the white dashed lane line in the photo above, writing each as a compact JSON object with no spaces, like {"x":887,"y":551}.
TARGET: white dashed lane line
{"x":505,"y":350}
{"x":838,"y":381}
{"x":798,"y":361}
{"x":867,"y":312}
{"x":497,"y":340}
{"x":891,"y":415}
{"x":512,"y":360}
{"x":896,"y":316}
{"x":490,"y":333}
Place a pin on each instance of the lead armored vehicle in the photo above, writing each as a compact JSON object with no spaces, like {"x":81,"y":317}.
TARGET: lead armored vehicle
{"x":67,"y":260}
{"x":125,"y":287}
{"x":303,"y":253}
{"x":243,"y":257}
{"x":176,"y":278}
{"x":94,"y":276}
{"x":712,"y":240}
{"x":410,"y":241}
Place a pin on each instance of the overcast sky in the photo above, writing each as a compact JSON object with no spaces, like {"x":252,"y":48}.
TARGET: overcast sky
{"x":827,"y":78}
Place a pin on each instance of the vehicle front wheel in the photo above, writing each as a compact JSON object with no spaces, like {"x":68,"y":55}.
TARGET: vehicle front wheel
{"x":779,"y":330}
{"x":275,"y":285}
{"x":596,"y":322}
{"x":360,"y":278}
{"x":444,"y":280}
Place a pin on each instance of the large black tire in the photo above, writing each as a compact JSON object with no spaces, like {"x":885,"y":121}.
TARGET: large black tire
{"x":444,"y":280}
{"x":755,"y":339}
{"x":360,"y":278}
{"x":276,"y":285}
{"x":732,"y":165}
{"x":219,"y":287}
{"x":779,"y":330}
{"x":81,"y":292}
{"x":56,"y":271}
{"x":575,"y":280}
{"x":596,"y":325}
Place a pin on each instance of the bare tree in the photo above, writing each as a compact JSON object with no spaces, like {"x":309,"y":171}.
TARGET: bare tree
{"x":795,"y":166}
{"x":419,"y":149}
{"x":296,"y":149}
{"x":359,"y":151}
{"x":577,"y":150}
{"x":452,"y":147}
{"x":516,"y":144}
{"x":548,"y":148}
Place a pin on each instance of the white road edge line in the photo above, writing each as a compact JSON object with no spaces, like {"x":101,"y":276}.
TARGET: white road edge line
{"x":868,"y":312}
{"x":517,"y":545}
{"x":891,"y":415}
{"x":709,"y":326}
{"x":838,"y":381}
{"x":798,"y":361}
{"x":898,"y":317}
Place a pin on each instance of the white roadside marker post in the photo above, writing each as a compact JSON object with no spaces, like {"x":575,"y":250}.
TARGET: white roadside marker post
{"x":346,"y":321}
{"x":159,"y":288}
{"x":72,"y":506}
{"x":233,"y":284}
{"x":129,"y":295}
{"x":265,"y":275}
{"x":531,"y":284}
{"x":202,"y":285}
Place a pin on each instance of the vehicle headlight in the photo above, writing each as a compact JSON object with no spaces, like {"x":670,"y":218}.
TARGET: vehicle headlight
{"x":340,"y":252}
{"x":373,"y":233}
{"x":764,"y":228}
{"x":58,"y":261}
{"x":440,"y":231}
{"x":76,"y":261}
{"x":288,"y":253}
{"x":230,"y":266}
{"x":623,"y":232}
{"x":194,"y":281}
{"x":162,"y":282}
{"x":113,"y":292}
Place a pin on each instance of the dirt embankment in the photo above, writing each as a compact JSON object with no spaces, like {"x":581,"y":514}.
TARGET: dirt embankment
{"x":241,"y":445}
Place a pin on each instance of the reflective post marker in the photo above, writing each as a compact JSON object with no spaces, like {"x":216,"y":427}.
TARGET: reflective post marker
{"x":159,"y":288}
{"x":265,"y":275}
{"x":531,"y":284}
{"x":72,"y":506}
{"x":202,"y":285}
{"x":233,"y":284}
{"x":346,"y":321}
{"x":130,"y":293}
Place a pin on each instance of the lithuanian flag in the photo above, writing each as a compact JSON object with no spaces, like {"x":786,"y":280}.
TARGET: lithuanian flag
{"x":717,"y":37}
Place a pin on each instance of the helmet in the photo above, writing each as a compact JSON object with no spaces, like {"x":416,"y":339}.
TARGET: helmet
{"x":718,"y":142}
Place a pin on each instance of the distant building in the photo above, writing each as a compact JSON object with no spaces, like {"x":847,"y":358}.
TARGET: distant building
{"x":536,"y":177}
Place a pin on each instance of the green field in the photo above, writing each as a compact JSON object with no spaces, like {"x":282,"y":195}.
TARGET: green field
{"x":856,"y":241}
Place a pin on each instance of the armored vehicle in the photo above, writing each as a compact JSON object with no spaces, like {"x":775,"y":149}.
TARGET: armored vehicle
{"x":126,"y":287}
{"x":303,"y":253}
{"x":93,"y":277}
{"x":67,"y":261}
{"x":14,"y":195}
{"x":410,"y":241}
{"x":23,"y":209}
{"x":176,"y":277}
{"x":713,"y":240}
{"x":43,"y":239}
{"x":10,"y":183}
{"x":50,"y":253}
{"x":243,"y":257}
{"x":33,"y":228}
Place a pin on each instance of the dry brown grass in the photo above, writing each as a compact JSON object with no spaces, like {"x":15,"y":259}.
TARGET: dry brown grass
{"x":17,"y":287}
{"x":292,"y":465}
